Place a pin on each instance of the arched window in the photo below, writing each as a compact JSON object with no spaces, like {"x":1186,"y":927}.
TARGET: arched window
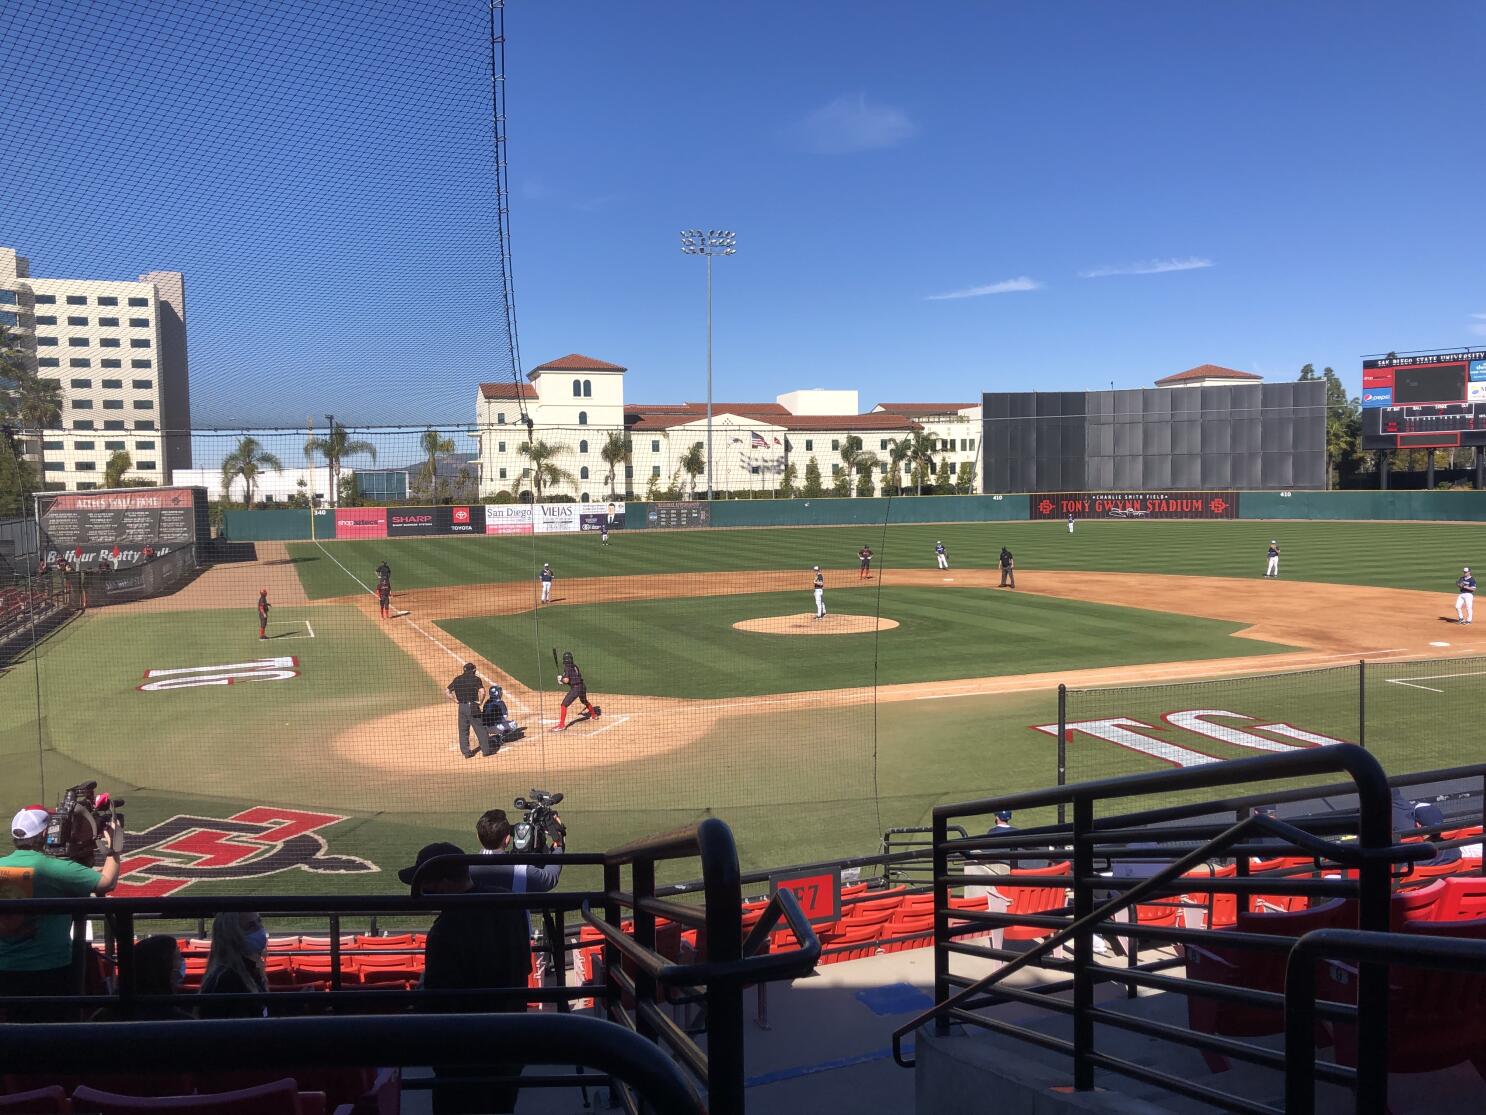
{"x":588,"y":388}
{"x":577,"y":389}
{"x":583,"y":418}
{"x":583,"y":447}
{"x":585,"y":497}
{"x":583,"y":473}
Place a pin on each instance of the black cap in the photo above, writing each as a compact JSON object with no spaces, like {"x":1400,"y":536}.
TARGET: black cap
{"x":1427,"y":815}
{"x":428,"y":852}
{"x":469,"y":667}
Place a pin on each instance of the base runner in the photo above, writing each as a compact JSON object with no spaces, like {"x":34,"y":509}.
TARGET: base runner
{"x":263,"y":607}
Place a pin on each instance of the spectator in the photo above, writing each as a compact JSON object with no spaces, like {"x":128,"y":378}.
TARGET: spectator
{"x":36,"y":950}
{"x":1427,"y":815}
{"x":235,"y":966}
{"x":1403,"y":813}
{"x":159,"y":969}
{"x":470,"y":948}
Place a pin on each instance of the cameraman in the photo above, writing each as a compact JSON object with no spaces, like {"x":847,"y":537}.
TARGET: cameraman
{"x":36,"y":950}
{"x":494,"y":832}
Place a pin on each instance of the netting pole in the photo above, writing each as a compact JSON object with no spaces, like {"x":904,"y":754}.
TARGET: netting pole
{"x":1062,"y":745}
{"x":1362,"y":702}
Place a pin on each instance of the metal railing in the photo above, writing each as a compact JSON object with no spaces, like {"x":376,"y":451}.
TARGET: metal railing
{"x":1363,"y":867}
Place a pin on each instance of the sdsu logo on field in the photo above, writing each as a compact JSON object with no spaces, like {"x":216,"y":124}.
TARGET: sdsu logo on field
{"x":1152,"y":741}
{"x":184,"y":849}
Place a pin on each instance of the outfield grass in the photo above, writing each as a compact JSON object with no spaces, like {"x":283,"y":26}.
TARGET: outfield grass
{"x":687,"y":646}
{"x":1399,"y":555}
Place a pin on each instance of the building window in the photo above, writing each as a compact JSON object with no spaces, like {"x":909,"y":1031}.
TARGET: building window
{"x":8,"y":318}
{"x":146,"y":466}
{"x":139,"y":342}
{"x":87,"y":466}
{"x":115,"y":363}
{"x":139,"y":323}
{"x":113,"y":424}
{"x":142,"y":384}
{"x":500,"y":419}
{"x":502,"y":474}
{"x":835,"y":470}
{"x":583,"y":418}
{"x":80,"y":384}
{"x":79,"y":445}
{"x":54,"y":466}
{"x":86,"y":486}
{"x":46,"y":319}
{"x":882,"y":444}
{"x":588,"y":388}
{"x":43,"y":341}
{"x":144,"y":424}
{"x":77,"y":321}
{"x":113,"y":384}
{"x":105,"y":300}
{"x":51,"y":445}
{"x":109,"y":321}
{"x":77,"y":300}
{"x":809,"y":445}
{"x":577,"y":389}
{"x":583,"y":473}
{"x":655,"y":445}
{"x":46,"y":299}
{"x":80,"y":362}
{"x":109,"y":342}
{"x":139,"y":301}
{"x":48,"y":362}
{"x":7,"y":298}
{"x":110,"y":445}
{"x":113,"y":404}
{"x":78,"y":342}
{"x":629,"y":472}
{"x":583,"y":447}
{"x":140,"y":364}
{"x":82,"y":404}
{"x":150,"y":445}
{"x":655,"y":470}
{"x":144,"y":404}
{"x":500,"y":447}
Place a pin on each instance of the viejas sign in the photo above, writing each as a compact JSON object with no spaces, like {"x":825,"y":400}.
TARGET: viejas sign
{"x":1154,"y":740}
{"x":264,"y":840}
{"x":1134,"y":505}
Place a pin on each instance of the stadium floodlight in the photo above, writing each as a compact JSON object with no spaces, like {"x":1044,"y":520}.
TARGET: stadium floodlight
{"x":713,"y":242}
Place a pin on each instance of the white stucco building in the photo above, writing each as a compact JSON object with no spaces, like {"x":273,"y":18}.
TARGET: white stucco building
{"x":576,"y":403}
{"x":117,"y":350}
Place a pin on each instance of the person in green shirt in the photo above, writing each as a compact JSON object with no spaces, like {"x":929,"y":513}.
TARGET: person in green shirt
{"x":36,"y":949}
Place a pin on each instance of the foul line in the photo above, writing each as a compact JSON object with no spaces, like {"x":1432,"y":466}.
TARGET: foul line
{"x":310,"y":629}
{"x":1440,"y":677}
{"x":618,"y":720}
{"x":1411,"y":685}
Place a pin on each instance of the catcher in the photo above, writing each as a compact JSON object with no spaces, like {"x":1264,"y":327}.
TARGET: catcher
{"x":572,"y":677}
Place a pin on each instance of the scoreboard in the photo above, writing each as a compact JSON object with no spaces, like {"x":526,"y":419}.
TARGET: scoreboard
{"x":1424,"y":401}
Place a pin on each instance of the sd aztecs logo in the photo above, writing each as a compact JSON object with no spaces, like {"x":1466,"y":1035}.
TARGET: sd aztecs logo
{"x":260,"y":841}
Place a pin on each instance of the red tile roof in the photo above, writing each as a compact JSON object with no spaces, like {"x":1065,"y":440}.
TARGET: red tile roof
{"x":1207,"y":371}
{"x":577,"y":362}
{"x":507,"y":391}
{"x":665,"y":417}
{"x":741,"y":408}
{"x":913,"y":409}
{"x":847,"y":422}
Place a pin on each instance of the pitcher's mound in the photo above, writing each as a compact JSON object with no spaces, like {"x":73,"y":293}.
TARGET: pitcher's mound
{"x":806,"y":624}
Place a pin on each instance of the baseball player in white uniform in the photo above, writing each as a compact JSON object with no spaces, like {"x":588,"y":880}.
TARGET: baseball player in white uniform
{"x":1465,"y":600}
{"x":820,"y":593}
{"x":941,"y":555}
{"x":1070,"y":522}
{"x":546,"y":577}
{"x":1272,"y":569}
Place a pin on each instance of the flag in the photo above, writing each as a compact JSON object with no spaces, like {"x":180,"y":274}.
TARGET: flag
{"x":736,"y":441}
{"x":757,"y":441}
{"x":776,"y":441}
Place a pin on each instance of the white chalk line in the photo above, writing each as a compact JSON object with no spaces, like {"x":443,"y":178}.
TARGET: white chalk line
{"x":1440,"y":677}
{"x":1412,"y":685}
{"x":310,"y":629}
{"x":618,"y":720}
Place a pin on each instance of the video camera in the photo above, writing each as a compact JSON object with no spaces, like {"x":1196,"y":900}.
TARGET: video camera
{"x":81,"y":818}
{"x":539,"y":827}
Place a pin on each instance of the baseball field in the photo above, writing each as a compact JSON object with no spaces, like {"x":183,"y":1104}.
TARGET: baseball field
{"x":322,"y":757}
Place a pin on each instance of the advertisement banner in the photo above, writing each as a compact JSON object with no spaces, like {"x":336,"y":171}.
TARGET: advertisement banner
{"x":593,"y":516}
{"x":131,"y":519}
{"x":361,"y":522}
{"x":1134,"y":505}
{"x":467,"y":519}
{"x":507,"y":518}
{"x":406,"y":522}
{"x":682,"y":514}
{"x":556,"y":518}
{"x":1377,"y":396}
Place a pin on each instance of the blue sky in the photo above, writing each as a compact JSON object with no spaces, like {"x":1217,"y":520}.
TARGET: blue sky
{"x":930,"y":200}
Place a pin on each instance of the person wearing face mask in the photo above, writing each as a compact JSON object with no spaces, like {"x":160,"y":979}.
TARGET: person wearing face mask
{"x":159,"y":969}
{"x":235,"y":966}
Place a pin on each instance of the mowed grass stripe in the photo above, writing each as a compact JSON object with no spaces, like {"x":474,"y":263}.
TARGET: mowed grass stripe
{"x":687,"y":647}
{"x":1400,"y":555}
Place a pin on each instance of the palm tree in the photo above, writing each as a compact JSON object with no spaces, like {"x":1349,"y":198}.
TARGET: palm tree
{"x":917,"y":448}
{"x":857,"y":460}
{"x":616,"y":451}
{"x":119,"y":462}
{"x":433,"y":445}
{"x":336,"y":447}
{"x":694,"y":463}
{"x":248,"y":460}
{"x":37,"y":404}
{"x":543,"y":471}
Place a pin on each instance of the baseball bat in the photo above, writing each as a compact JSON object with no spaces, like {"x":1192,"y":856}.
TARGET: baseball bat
{"x":554,"y":657}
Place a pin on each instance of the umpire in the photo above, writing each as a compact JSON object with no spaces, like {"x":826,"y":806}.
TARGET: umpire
{"x":465,"y":689}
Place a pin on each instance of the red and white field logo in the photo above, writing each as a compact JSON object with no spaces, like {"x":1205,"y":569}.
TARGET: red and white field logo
{"x":264,"y":669}
{"x":260,"y":841}
{"x":1134,"y":735}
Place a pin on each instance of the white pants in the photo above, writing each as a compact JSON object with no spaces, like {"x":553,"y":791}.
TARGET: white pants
{"x":1273,"y":568}
{"x":1070,"y":528}
{"x":1465,"y":606}
{"x":943,"y":561}
{"x":546,"y":592}
{"x":820,"y":602}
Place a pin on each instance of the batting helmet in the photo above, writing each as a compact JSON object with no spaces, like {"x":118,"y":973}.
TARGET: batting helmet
{"x":567,"y":657}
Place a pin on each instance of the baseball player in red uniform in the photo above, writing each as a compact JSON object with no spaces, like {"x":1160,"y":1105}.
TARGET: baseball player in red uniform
{"x":384,"y":598}
{"x":263,"y":606}
{"x":865,"y":556}
{"x":572,"y":677}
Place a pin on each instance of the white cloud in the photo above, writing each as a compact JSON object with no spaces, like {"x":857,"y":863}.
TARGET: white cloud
{"x":1006,"y":286}
{"x":1147,"y":267}
{"x":850,"y":124}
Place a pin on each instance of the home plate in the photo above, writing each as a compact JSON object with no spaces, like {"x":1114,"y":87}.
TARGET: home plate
{"x":1437,"y":644}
